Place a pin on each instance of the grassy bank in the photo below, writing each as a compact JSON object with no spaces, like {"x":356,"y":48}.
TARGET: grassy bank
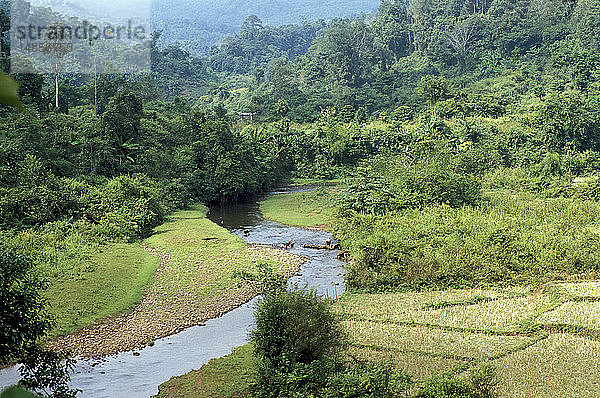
{"x":86,"y":280}
{"x":116,"y":279}
{"x":229,"y":377}
{"x":311,"y":209}
{"x":204,"y":257}
{"x":194,"y":282}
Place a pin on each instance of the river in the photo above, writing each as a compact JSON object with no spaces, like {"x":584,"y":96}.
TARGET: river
{"x":139,"y":373}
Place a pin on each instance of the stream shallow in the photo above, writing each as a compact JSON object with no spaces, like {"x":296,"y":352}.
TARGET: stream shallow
{"x":139,"y":373}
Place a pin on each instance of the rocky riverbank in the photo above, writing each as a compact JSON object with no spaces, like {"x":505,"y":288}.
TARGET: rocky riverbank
{"x":156,"y":317}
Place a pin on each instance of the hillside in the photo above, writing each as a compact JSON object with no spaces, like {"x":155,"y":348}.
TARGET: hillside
{"x":197,"y":25}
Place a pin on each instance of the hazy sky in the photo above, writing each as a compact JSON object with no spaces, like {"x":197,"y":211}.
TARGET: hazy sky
{"x":197,"y":9}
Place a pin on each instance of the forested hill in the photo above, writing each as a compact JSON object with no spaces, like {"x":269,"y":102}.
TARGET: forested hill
{"x":490,"y":56}
{"x":198,"y":24}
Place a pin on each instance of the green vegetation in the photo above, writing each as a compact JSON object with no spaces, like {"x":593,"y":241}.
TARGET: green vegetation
{"x":294,"y":342}
{"x":500,"y":242}
{"x":204,"y":258}
{"x":227,"y":377}
{"x":25,"y":322}
{"x":116,"y":279}
{"x":197,"y":279}
{"x":562,"y":365}
{"x":304,"y":209}
{"x":198,"y":33}
{"x":20,"y":288}
{"x":468,"y":137}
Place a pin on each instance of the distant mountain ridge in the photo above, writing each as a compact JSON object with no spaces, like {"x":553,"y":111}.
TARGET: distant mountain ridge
{"x":198,"y":24}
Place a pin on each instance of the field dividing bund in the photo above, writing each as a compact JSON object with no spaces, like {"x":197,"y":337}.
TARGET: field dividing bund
{"x":543,"y":342}
{"x":194,"y":282}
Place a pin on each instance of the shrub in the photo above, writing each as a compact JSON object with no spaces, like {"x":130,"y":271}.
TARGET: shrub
{"x":130,"y":204}
{"x":37,"y":197}
{"x":502,"y":242}
{"x":294,"y":327}
{"x":23,"y":316}
{"x":481,"y":383}
{"x":402,"y":114}
{"x":367,"y":381}
{"x":587,"y":188}
{"x":295,"y":337}
{"x":400,"y":183}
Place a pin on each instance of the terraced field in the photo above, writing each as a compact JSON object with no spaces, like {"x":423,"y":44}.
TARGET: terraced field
{"x":544,"y":342}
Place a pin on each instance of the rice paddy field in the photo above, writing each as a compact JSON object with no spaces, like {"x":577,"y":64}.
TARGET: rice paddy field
{"x":544,"y":342}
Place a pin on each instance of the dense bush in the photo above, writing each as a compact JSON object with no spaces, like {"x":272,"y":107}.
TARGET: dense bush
{"x":36,"y":196}
{"x":294,"y":327}
{"x":403,"y":182}
{"x":131,"y":203}
{"x":295,"y":337}
{"x":507,"y":240}
{"x":23,"y":316}
{"x":367,"y":381}
{"x":481,"y":383}
{"x":569,"y":120}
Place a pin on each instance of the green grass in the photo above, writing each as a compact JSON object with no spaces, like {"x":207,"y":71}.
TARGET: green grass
{"x":194,"y":281}
{"x":118,"y":275}
{"x":227,"y":377}
{"x":430,"y":341}
{"x":204,"y":257}
{"x":500,"y":312}
{"x":514,"y":329}
{"x":561,"y":366}
{"x":419,"y":366}
{"x":92,"y":282}
{"x":582,"y":289}
{"x":303,"y":209}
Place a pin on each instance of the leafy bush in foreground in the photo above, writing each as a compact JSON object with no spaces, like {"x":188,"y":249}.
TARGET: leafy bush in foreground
{"x":23,"y":317}
{"x":294,"y":327}
{"x":295,"y":338}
